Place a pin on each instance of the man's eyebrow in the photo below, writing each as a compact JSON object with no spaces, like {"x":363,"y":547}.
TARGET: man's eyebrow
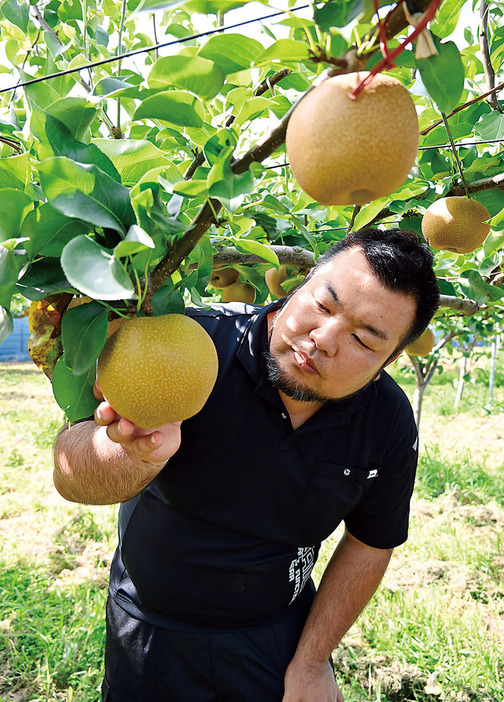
{"x":373,"y":330}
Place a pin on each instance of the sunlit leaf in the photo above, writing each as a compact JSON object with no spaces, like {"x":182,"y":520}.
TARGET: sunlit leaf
{"x":86,"y":192}
{"x":15,"y":171}
{"x":284,"y":51}
{"x":232,"y":52}
{"x":14,"y":206}
{"x":490,"y":126}
{"x":136,"y":240}
{"x":133,"y":158}
{"x":17,"y":13}
{"x":194,"y":73}
{"x":95,"y":272}
{"x":256,"y":248}
{"x":76,"y":113}
{"x":173,"y":106}
{"x":476,"y":289}
{"x":434,"y":71}
{"x":63,"y":143}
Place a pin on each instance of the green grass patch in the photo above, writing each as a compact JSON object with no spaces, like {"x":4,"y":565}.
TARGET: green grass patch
{"x":434,"y":630}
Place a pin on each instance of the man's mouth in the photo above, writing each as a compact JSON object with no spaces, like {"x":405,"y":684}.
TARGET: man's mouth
{"x":305,"y":362}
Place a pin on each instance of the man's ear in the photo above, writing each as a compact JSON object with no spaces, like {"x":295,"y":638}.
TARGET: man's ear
{"x":388,"y":362}
{"x":393,"y":358}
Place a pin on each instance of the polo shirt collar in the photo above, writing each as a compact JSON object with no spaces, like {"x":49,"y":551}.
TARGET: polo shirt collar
{"x":251,"y":353}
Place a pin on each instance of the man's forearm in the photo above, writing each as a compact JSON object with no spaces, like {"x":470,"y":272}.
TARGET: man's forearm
{"x":350,"y":580}
{"x":91,"y":469}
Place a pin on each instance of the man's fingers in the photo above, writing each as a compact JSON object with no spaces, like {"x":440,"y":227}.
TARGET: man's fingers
{"x":97,"y":391}
{"x":104,"y":414}
{"x":145,"y":445}
{"x":121,"y":431}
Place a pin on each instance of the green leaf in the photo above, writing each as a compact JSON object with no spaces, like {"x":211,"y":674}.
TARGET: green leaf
{"x":232,"y":52}
{"x":190,"y":188}
{"x":83,"y":333}
{"x":63,"y":144}
{"x":490,"y":126}
{"x":208,"y":7}
{"x":14,"y":206}
{"x":76,"y":113}
{"x":133,"y":158}
{"x":173,"y":106}
{"x":95,"y":272}
{"x":152,"y":5}
{"x":54,"y":44}
{"x":44,"y":277}
{"x":252,"y":109}
{"x":284,"y":51}
{"x":6,"y":326}
{"x":86,"y":192}
{"x":443,"y":75}
{"x":15,"y":171}
{"x":74,"y":393}
{"x":476,"y":289}
{"x":16,"y":13}
{"x":446,"y":18}
{"x":194,"y":73}
{"x":8,"y":267}
{"x":256,"y":248}
{"x":111,"y":87}
{"x":220,"y":145}
{"x":337,"y":13}
{"x":368,"y":212}
{"x":167,"y":301}
{"x":49,"y":231}
{"x":136,"y":240}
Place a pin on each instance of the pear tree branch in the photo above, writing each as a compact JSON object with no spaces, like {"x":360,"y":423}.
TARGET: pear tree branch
{"x":305,"y":260}
{"x":258,"y":153}
{"x":288,"y":255}
{"x":485,"y":50}
{"x":495,"y":182}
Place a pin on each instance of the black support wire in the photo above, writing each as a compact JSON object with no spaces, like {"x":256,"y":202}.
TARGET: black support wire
{"x":155,"y":47}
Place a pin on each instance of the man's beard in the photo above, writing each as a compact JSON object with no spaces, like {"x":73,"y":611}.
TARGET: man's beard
{"x":299,"y":392}
{"x":290,"y":387}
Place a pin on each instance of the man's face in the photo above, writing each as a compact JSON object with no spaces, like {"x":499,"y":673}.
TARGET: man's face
{"x":336,"y":333}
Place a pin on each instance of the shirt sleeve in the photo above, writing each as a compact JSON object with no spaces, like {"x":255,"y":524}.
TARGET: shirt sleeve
{"x":381,"y":518}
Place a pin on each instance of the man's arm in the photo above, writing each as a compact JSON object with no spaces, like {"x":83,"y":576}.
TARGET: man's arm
{"x":349,"y":581}
{"x":110,"y":460}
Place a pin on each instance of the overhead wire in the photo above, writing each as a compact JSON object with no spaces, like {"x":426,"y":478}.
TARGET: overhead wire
{"x":147,"y":49}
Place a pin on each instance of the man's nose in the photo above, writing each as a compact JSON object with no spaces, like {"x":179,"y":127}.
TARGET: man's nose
{"x":326,"y":336}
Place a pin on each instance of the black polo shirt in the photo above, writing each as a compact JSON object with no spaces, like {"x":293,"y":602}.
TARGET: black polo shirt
{"x":229,"y":532}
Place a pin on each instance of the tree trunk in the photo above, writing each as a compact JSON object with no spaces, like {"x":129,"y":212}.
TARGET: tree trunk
{"x":495,"y":351}
{"x":417,"y":401}
{"x":461,"y":381}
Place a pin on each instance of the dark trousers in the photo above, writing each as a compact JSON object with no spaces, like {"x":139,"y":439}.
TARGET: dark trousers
{"x":146,"y":663}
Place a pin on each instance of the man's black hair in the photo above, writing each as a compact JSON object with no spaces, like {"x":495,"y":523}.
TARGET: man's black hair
{"x":403,"y":263}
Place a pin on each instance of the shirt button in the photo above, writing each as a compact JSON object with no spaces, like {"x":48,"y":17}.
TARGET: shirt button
{"x":284,"y":416}
{"x":346,"y":471}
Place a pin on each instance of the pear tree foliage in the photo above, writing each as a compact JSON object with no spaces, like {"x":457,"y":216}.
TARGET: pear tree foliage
{"x":142,"y":145}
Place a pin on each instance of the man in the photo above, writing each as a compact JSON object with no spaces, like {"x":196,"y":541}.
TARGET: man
{"x":210,"y":593}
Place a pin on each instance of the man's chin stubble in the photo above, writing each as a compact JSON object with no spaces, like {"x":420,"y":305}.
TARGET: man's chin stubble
{"x":297,"y":391}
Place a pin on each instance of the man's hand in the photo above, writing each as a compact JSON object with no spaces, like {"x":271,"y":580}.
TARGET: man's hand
{"x":310,"y":681}
{"x":151,"y":445}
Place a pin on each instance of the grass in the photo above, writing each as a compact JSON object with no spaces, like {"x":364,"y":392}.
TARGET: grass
{"x":433,"y":631}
